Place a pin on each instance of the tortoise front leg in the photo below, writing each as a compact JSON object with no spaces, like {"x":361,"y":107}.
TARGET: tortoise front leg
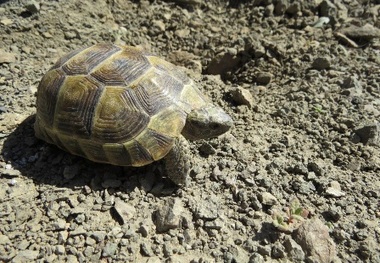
{"x":177,"y":165}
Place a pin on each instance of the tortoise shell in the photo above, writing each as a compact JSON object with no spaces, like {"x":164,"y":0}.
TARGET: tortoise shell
{"x":114,"y":104}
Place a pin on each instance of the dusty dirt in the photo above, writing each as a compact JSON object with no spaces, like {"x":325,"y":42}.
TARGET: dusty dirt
{"x":305,"y":100}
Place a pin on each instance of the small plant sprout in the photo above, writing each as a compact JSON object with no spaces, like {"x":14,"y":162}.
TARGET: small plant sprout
{"x":294,"y":216}
{"x":319,"y":109}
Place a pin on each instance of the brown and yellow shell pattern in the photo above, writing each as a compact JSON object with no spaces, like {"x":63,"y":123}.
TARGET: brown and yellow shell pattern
{"x":114,"y":104}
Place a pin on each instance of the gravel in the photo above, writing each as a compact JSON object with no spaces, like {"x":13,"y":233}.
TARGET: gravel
{"x":305,"y":102}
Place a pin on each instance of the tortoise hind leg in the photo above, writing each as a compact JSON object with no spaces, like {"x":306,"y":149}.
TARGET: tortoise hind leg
{"x":177,"y":163}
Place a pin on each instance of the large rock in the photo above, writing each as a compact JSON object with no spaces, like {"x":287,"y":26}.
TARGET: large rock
{"x":169,"y":216}
{"x":313,"y":237}
{"x":366,"y":32}
{"x":368,"y":133}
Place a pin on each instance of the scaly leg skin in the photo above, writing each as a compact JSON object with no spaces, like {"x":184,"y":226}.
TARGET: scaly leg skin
{"x":177,"y":163}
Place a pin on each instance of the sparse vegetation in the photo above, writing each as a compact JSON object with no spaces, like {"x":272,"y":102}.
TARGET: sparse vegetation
{"x":292,"y":218}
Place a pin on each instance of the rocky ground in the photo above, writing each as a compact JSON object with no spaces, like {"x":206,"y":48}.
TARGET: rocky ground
{"x":301,"y":80}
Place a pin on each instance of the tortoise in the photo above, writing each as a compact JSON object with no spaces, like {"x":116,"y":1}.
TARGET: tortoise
{"x":124,"y":106}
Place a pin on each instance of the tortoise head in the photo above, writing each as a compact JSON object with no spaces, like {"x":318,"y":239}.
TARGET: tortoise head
{"x":206,"y":122}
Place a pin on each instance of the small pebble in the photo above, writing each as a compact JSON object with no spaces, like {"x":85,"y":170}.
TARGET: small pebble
{"x":264,"y":78}
{"x":334,"y":190}
{"x":4,"y":240}
{"x":125,"y":210}
{"x":90,"y":241}
{"x":6,"y":57}
{"x":33,"y":7}
{"x":159,"y":24}
{"x":6,"y":21}
{"x":278,"y":251}
{"x":242,"y":97}
{"x":71,"y":35}
{"x":207,"y":209}
{"x":59,"y":224}
{"x":294,"y":250}
{"x":321,"y":63}
{"x":99,"y":236}
{"x":12,"y":182}
{"x":47,"y":35}
{"x":182,"y":33}
{"x":60,"y":250}
{"x":109,"y":250}
{"x":214,"y":224}
{"x":267,"y":199}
